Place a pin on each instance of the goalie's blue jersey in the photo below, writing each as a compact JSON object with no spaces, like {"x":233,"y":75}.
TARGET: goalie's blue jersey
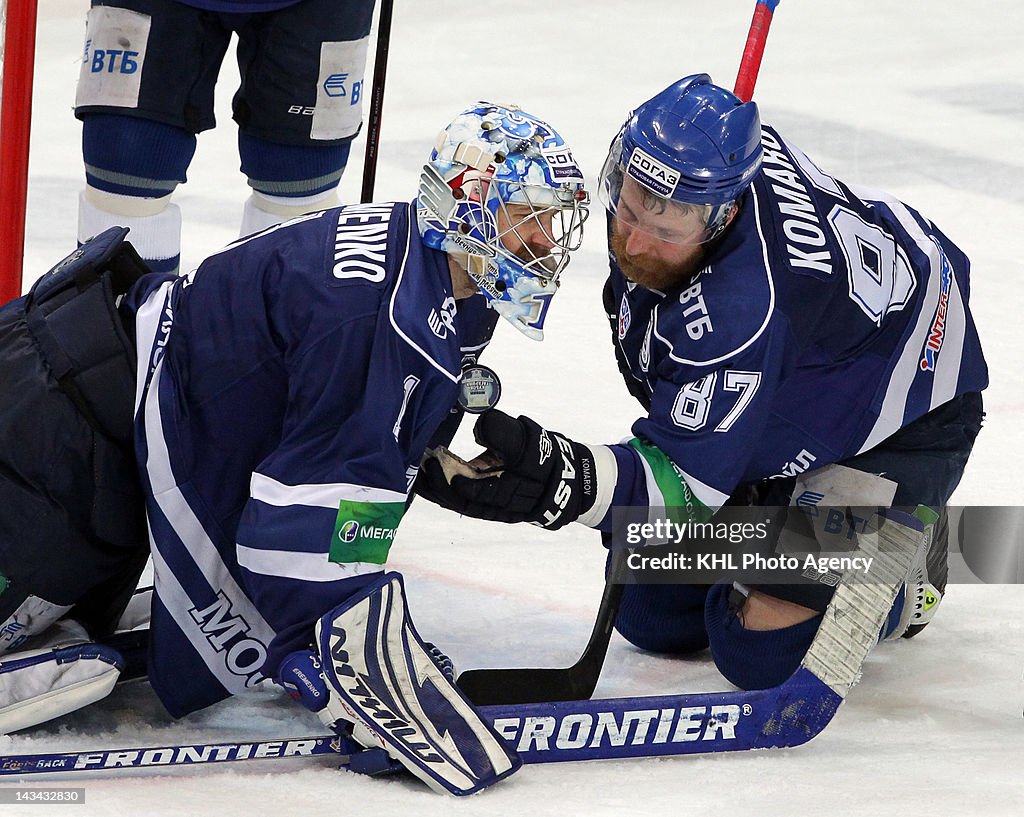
{"x":827,"y":318}
{"x":287,"y":391}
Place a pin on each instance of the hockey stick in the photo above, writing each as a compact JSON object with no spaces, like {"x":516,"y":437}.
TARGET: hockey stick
{"x":174,"y":755}
{"x":380,"y":69}
{"x":616,"y":728}
{"x":750,"y":63}
{"x":526,"y":686}
{"x":784,"y":716}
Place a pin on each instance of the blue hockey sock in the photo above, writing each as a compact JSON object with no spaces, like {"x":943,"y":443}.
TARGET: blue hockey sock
{"x":664,"y":618}
{"x":753,"y":659}
{"x":290,"y":170}
{"x":129,"y":156}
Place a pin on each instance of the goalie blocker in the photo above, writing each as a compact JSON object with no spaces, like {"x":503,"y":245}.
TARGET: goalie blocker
{"x":373,"y":678}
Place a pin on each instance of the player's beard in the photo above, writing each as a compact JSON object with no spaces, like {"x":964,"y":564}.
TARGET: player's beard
{"x":656,"y":273}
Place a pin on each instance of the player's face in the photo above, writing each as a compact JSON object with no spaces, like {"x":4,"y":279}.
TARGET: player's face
{"x":656,"y":245}
{"x":525,"y":232}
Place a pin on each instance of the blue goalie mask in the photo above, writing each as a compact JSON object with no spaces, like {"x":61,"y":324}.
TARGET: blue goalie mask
{"x":503,"y":195}
{"x":681,"y":160}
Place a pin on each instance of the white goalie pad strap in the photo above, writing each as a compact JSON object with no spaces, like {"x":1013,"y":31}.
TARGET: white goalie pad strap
{"x":33,"y":617}
{"x":59,"y":675}
{"x":382,"y":678}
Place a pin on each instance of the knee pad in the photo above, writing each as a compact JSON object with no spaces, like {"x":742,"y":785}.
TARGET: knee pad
{"x":128,"y":156}
{"x":753,"y":659}
{"x":664,"y":618}
{"x":291,"y":171}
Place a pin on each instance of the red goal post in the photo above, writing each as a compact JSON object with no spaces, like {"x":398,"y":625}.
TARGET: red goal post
{"x":18,"y":43}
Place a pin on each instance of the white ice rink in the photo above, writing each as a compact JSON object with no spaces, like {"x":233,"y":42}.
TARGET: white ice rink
{"x":924,"y":100}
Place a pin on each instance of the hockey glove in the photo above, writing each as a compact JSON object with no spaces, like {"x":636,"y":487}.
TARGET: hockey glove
{"x":534,"y":475}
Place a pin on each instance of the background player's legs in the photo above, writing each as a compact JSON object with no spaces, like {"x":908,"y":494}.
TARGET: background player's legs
{"x":131,"y":168}
{"x":145,"y":89}
{"x":299,"y":105}
{"x":288,"y":181}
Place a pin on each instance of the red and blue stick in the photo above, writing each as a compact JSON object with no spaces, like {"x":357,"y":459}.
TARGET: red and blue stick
{"x":752,"y":51}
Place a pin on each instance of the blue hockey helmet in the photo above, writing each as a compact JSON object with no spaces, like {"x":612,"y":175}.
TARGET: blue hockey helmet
{"x":693,"y":148}
{"x":503,"y":192}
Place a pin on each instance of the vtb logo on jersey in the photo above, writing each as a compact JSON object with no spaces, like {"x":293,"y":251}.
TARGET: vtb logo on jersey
{"x":334,"y":85}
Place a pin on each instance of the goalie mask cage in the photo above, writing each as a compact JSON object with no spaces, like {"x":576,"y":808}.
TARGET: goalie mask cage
{"x":17,"y":52}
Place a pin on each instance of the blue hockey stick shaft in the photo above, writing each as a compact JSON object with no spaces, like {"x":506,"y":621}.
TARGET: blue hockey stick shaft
{"x":173,"y":755}
{"x":648,"y":726}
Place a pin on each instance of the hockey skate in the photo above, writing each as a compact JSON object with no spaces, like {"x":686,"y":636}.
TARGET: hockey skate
{"x":922,"y":591}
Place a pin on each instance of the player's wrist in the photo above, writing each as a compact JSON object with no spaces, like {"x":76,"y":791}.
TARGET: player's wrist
{"x":597,"y":496}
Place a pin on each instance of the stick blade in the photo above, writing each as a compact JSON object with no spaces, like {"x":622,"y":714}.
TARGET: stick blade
{"x":489,"y":687}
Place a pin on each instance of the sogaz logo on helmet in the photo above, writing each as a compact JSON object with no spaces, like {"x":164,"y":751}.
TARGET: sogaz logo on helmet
{"x":562,"y":163}
{"x":349,"y":531}
{"x":652,"y":174}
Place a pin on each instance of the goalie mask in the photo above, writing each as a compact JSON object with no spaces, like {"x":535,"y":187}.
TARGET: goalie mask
{"x":502,"y":193}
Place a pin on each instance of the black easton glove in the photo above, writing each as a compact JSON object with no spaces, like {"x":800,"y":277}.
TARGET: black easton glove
{"x":544,"y":477}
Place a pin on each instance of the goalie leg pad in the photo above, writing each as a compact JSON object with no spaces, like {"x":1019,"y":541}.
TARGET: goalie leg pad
{"x":63,"y":671}
{"x":382,"y":678}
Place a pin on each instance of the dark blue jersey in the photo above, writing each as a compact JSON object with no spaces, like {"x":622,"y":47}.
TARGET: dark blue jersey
{"x":288,"y":389}
{"x":827,"y":318}
{"x":239,"y":6}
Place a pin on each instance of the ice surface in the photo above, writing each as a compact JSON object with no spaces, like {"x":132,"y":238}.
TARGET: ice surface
{"x":921,"y":99}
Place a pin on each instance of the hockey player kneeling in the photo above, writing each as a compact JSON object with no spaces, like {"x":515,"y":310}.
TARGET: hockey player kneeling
{"x":271,"y":411}
{"x":372,"y":676}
